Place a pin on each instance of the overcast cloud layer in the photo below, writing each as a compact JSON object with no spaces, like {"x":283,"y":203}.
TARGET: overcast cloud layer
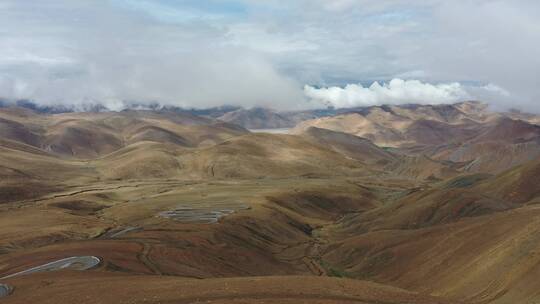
{"x":280,"y":54}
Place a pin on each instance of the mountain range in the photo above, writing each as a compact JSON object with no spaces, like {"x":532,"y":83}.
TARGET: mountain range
{"x":381,"y":204}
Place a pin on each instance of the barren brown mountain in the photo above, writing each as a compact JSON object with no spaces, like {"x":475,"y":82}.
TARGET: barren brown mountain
{"x":391,"y":204}
{"x":466,"y":133}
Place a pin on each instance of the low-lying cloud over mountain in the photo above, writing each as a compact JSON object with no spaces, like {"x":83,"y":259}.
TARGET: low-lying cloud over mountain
{"x":194,"y":79}
{"x":399,"y":91}
{"x":262,"y":53}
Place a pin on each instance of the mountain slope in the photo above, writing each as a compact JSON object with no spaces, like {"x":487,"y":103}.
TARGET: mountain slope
{"x":92,"y":135}
{"x":270,"y":155}
{"x":349,"y":145}
{"x":471,"y":238}
{"x":466,"y":133}
{"x":257,"y":118}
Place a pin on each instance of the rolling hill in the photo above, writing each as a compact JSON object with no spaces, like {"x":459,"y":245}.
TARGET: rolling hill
{"x":390,"y":204}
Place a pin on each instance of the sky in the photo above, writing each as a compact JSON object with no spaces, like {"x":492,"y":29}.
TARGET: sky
{"x":285,"y":55}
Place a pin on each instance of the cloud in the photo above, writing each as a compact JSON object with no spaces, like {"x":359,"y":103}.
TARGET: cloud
{"x":61,"y":55}
{"x":399,"y":91}
{"x":434,"y":41}
{"x":262,"y":53}
{"x":196,"y":79}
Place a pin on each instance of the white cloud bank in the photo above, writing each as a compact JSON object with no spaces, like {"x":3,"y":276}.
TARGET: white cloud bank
{"x":399,"y":91}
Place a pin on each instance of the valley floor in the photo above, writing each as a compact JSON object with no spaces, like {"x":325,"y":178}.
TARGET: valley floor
{"x":273,"y":227}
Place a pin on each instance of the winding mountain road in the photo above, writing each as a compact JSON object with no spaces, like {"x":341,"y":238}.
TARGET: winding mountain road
{"x":73,"y":263}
